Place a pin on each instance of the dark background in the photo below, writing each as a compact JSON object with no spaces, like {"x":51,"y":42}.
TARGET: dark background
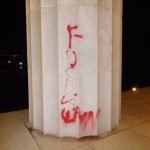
{"x":136,"y":44}
{"x":13,"y":76}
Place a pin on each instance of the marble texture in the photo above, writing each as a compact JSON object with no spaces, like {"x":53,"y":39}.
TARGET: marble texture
{"x":49,"y":3}
{"x":123,"y":141}
{"x":47,"y":142}
{"x":78,"y":2}
{"x":13,"y":133}
{"x":90,"y":82}
{"x":116,"y":60}
{"x":28,"y":30}
{"x":105,"y":64}
{"x":36,"y":65}
{"x":143,"y":129}
{"x":84,"y":77}
{"x":50,"y":74}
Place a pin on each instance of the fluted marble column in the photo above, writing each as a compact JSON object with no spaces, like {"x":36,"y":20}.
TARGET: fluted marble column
{"x":35,"y":63}
{"x":28,"y":24}
{"x":72,"y":46}
{"x":109,"y":66}
{"x":50,"y":72}
{"x":117,"y":61}
{"x":78,"y":66}
{"x":105,"y":64}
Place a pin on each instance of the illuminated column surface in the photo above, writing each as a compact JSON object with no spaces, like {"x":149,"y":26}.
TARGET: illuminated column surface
{"x":34,"y":63}
{"x":72,"y":66}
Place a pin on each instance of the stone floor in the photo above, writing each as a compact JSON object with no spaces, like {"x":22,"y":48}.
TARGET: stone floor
{"x":133,"y":132}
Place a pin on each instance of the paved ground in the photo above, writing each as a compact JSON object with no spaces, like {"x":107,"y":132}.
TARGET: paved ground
{"x":133,"y":132}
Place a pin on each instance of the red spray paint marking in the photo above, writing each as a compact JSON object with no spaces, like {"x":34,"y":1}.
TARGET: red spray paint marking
{"x":78,"y":35}
{"x":71,"y":116}
{"x":75,"y":94}
{"x":72,"y":64}
{"x":88,"y":117}
{"x":71,"y":56}
{"x":69,"y":28}
{"x":64,"y":101}
{"x":84,"y":117}
{"x":98,"y":113}
{"x":66,"y":115}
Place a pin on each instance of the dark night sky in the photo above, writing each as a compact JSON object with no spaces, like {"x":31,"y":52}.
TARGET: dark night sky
{"x":136,"y":44}
{"x":12,"y":25}
{"x":13,"y":76}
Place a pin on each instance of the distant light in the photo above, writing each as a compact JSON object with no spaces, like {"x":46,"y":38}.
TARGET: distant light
{"x":134,"y":89}
{"x":9,"y":61}
{"x":20,"y":63}
{"x":20,"y":67}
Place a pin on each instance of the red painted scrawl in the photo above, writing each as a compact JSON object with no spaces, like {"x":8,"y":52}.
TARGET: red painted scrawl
{"x":74,"y":115}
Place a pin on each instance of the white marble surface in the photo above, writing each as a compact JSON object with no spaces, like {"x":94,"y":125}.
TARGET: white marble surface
{"x":48,"y":3}
{"x":13,"y":133}
{"x":105,"y":64}
{"x":88,"y":50}
{"x":50,"y":73}
{"x":36,"y":64}
{"x":116,"y":61}
{"x":77,"y":2}
{"x":83,"y":78}
{"x":67,"y":15}
{"x":35,"y":5}
{"x":28,"y":25}
{"x":89,"y":81}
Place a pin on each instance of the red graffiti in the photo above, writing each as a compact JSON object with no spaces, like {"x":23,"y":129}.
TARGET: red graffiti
{"x":75,"y":114}
{"x":75,"y":94}
{"x":69,"y":28}
{"x":84,"y":117}
{"x":72,"y":59}
{"x":66,"y":115}
{"x":74,"y":62}
{"x":64,"y":101}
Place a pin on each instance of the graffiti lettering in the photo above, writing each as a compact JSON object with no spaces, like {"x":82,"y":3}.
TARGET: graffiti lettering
{"x":84,"y":117}
{"x":64,"y":101}
{"x":74,"y":114}
{"x":69,"y":28}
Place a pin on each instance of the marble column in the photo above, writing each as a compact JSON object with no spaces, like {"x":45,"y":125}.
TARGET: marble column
{"x":50,"y":72}
{"x":116,"y":61}
{"x":28,"y":24}
{"x":109,"y":66}
{"x":74,"y":59}
{"x":78,"y":66}
{"x":105,"y":64}
{"x":35,"y":64}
